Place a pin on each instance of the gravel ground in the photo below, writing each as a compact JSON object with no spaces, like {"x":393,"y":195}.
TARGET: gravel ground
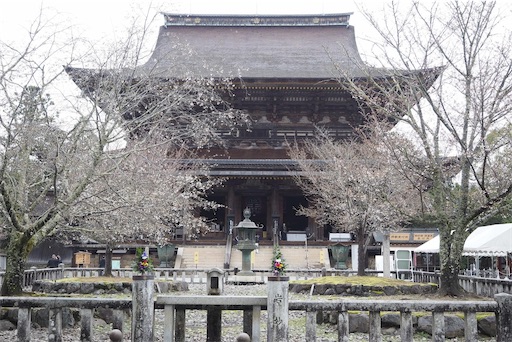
{"x":232,"y":323}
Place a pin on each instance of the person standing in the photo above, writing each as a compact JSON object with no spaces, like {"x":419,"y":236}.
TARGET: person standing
{"x":53,"y":262}
{"x":102,"y":265}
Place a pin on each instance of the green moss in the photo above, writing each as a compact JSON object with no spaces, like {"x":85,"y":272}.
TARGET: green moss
{"x":356,"y":280}
{"x":419,"y":314}
{"x":104,"y":280}
{"x":481,"y":315}
{"x":354,"y":312}
{"x":94,"y":280}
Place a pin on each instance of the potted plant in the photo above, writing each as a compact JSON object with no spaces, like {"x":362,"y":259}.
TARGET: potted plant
{"x":142,"y":265}
{"x":278,"y":265}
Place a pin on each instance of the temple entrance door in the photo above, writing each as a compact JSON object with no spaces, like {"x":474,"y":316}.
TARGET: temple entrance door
{"x":290,"y":205}
{"x":258,"y":206}
{"x":216,"y":218}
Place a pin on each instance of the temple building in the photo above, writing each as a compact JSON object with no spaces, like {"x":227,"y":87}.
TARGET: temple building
{"x":286,"y":71}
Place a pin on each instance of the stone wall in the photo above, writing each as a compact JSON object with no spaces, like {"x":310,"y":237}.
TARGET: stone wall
{"x":362,"y":290}
{"x":99,"y":288}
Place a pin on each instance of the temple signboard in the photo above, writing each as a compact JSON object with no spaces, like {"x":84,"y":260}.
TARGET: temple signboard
{"x":423,"y":236}
{"x":399,"y":236}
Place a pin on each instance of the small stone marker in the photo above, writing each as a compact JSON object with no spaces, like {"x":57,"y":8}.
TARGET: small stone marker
{"x":243,"y":337}
{"x":116,"y":335}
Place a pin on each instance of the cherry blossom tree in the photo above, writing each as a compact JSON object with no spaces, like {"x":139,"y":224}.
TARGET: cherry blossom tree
{"x":142,"y":198}
{"x":455,"y":111}
{"x":353,"y":186}
{"x":68,"y":157}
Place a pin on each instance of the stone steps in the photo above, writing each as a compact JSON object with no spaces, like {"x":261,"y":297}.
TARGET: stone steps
{"x":205,"y":257}
{"x":202,"y":257}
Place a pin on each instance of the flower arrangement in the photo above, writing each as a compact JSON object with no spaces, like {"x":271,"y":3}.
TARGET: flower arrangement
{"x":142,"y":263}
{"x":278,"y":263}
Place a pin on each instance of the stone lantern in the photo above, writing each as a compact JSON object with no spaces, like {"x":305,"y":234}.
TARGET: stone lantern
{"x":340,"y":255}
{"x":246,"y":242}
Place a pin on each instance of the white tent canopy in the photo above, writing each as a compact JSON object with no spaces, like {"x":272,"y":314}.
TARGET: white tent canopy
{"x":493,"y":240}
{"x":431,"y":246}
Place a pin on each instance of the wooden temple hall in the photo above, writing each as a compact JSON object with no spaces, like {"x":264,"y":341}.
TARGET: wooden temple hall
{"x":286,"y":71}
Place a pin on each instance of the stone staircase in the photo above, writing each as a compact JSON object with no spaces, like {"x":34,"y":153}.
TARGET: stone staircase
{"x":204,"y":257}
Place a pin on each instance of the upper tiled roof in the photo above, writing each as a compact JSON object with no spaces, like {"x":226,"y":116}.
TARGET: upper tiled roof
{"x":299,"y":46}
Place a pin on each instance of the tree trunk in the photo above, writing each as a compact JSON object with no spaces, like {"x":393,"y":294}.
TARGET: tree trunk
{"x":449,"y":285}
{"x":108,"y":261}
{"x":361,"y":254}
{"x":17,"y":253}
{"x":450,"y":253}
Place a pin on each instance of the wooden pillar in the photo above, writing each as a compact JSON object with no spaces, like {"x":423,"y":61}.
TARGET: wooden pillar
{"x":247,"y":322}
{"x":274,"y":200}
{"x":277,"y":309}
{"x":275,"y":217}
{"x":180,"y":325}
{"x":213,"y":324}
{"x":231,"y":202}
{"x":234,"y":206}
{"x":142,"y":308}
{"x":315,"y":231}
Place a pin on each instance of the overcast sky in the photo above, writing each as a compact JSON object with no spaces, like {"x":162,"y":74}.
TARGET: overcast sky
{"x":100,"y":18}
{"x":103,"y":21}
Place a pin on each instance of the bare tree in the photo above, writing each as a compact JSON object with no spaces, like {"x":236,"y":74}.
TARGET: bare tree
{"x":142,"y":198}
{"x":59,"y":152}
{"x":460,"y":123}
{"x":353,"y":186}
